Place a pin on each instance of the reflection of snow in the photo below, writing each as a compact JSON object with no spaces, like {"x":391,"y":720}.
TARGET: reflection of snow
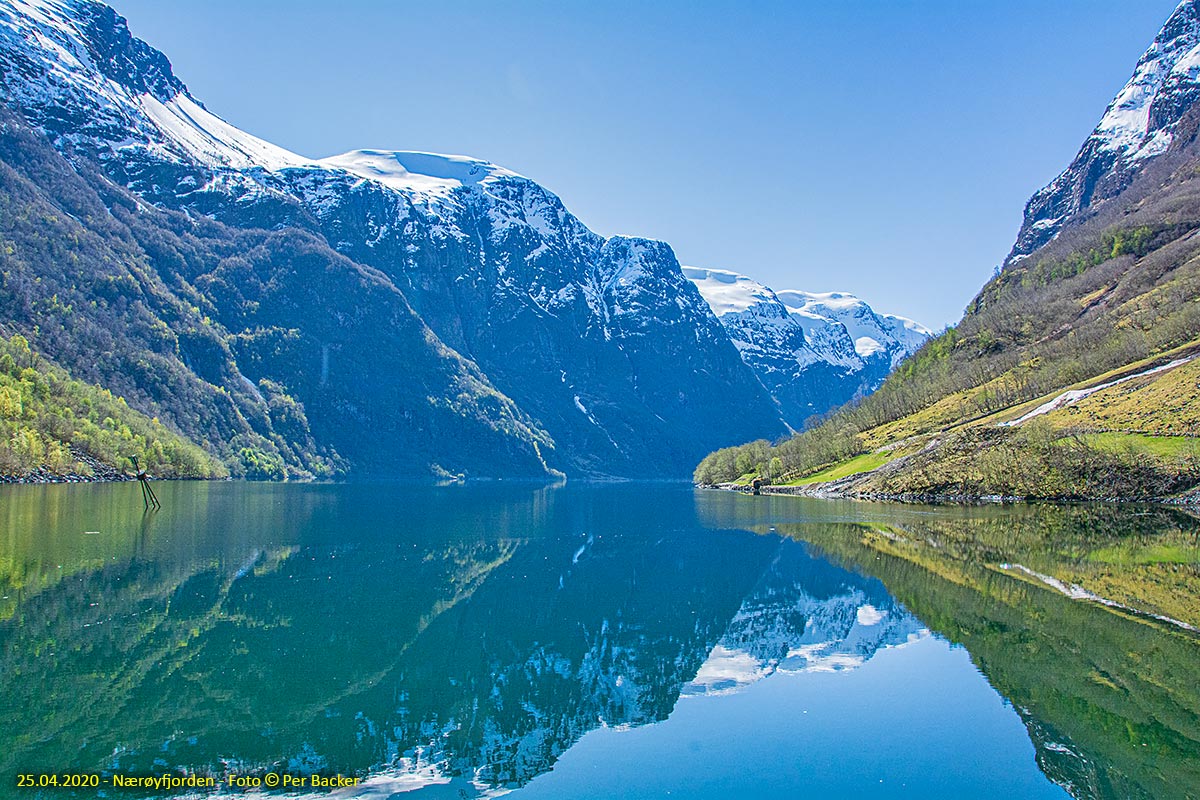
{"x":805,"y":615}
{"x":1077,"y":592}
{"x":869,"y":615}
{"x":831,"y":656}
{"x":822,"y":657}
{"x":726,"y":671}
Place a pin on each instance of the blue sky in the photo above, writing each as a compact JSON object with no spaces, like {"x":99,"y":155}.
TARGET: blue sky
{"x":881,"y":148}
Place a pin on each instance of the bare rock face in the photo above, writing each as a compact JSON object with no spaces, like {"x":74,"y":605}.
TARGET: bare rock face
{"x":1139,"y":125}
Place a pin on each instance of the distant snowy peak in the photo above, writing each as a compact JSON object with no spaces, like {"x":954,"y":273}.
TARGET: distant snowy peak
{"x":734,"y":298}
{"x":811,"y":351}
{"x":1139,"y":124}
{"x":871,"y":331}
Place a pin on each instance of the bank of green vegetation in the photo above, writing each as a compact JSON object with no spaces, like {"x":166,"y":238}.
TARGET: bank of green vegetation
{"x":56,"y":426}
{"x":1101,"y":302}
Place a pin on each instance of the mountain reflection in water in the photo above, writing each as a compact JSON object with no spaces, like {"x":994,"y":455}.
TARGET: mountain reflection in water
{"x":467,"y":637}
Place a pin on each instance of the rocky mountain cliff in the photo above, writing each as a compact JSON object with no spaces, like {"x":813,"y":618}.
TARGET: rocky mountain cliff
{"x":1150,"y":112}
{"x":567,"y":350}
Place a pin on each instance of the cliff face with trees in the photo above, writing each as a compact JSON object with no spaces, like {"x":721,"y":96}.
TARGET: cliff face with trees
{"x":214,"y":330}
{"x":53,"y":427}
{"x":374,"y":313}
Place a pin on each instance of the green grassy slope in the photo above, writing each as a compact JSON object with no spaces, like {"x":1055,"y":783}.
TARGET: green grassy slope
{"x":56,"y":426}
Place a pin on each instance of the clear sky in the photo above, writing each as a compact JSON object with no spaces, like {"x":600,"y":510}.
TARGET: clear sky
{"x":881,"y":148}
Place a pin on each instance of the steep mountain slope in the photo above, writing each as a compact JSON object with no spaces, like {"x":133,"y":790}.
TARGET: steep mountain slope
{"x":602,"y":342}
{"x":53,"y":428}
{"x":213,"y":330}
{"x":1109,"y":293}
{"x":1139,"y":125}
{"x":813,"y":352}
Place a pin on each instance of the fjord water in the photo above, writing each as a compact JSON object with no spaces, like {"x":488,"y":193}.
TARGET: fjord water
{"x":641,"y":640}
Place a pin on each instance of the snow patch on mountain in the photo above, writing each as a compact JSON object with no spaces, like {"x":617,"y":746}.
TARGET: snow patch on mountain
{"x":417,"y":172}
{"x":211,"y":140}
{"x":727,"y":292}
{"x":1171,"y":63}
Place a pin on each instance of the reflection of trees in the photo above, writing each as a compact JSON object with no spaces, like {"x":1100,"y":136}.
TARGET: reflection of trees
{"x":1108,"y":697}
{"x":133,"y":662}
{"x":482,"y":633}
{"x":368,"y":630}
{"x":414,"y":632}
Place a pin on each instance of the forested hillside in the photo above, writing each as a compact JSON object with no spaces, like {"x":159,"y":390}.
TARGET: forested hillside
{"x":54,"y":427}
{"x":212,"y":329}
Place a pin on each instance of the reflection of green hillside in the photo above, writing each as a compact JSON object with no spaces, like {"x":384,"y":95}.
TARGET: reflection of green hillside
{"x":133,"y":662}
{"x":50,"y":533}
{"x":1109,"y":697}
{"x":229,"y":624}
{"x":351,"y":627}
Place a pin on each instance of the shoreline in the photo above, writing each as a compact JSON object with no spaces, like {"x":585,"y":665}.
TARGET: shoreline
{"x":821,"y":491}
{"x":829,"y":491}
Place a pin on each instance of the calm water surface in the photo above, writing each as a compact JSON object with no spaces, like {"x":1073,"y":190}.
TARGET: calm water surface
{"x":598,"y":641}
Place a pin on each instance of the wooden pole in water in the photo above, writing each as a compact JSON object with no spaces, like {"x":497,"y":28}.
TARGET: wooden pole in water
{"x":148,"y":496}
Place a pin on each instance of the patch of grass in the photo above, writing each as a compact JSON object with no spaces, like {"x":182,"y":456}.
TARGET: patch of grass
{"x":854,"y":466}
{"x":1166,"y":447}
{"x":45,"y":414}
{"x":1144,"y":555}
{"x":1167,"y":402}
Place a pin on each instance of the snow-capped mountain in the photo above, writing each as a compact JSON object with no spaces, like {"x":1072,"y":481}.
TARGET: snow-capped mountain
{"x":813,"y":352}
{"x":602,"y":342}
{"x":1140,"y":124}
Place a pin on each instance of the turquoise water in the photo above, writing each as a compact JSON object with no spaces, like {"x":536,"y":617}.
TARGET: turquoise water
{"x":631,"y":641}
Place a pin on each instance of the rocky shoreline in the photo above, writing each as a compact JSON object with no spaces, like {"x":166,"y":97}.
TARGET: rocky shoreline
{"x":41,"y":476}
{"x":832,"y":491}
{"x":101,"y":473}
